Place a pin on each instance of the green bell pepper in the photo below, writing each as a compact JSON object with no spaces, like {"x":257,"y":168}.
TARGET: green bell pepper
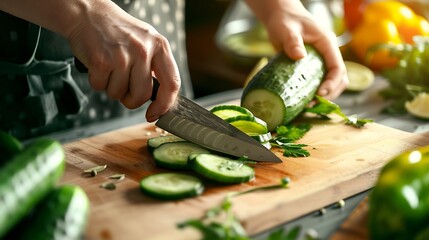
{"x":399,"y":201}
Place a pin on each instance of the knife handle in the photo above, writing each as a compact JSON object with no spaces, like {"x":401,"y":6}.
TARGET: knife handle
{"x":83,"y":69}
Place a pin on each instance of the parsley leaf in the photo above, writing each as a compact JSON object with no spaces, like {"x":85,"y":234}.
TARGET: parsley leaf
{"x":287,"y":135}
{"x":323,"y":107}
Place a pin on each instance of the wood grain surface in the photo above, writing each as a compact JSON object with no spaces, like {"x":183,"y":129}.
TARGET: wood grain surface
{"x":344,"y":161}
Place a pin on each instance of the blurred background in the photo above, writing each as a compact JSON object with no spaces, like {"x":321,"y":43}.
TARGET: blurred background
{"x":225,"y":43}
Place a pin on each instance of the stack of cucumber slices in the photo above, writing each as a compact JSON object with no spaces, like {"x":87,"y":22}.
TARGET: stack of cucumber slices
{"x":174,"y":153}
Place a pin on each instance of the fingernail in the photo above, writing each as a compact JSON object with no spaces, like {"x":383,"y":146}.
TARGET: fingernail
{"x":298,"y":52}
{"x":323,"y":92}
{"x":152,"y":118}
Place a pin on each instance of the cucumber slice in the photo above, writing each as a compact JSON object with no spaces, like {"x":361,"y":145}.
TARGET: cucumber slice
{"x":174,"y":155}
{"x":360,"y":76}
{"x":222,"y":169}
{"x":264,"y":139}
{"x":155,"y":142}
{"x":229,"y":111}
{"x":171,"y":186}
{"x":249,"y":125}
{"x":418,"y":107}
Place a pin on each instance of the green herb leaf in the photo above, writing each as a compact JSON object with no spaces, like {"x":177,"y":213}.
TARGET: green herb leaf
{"x":292,"y":133}
{"x":294,"y":150}
{"x":324,"y":107}
{"x":220,"y":223}
{"x":356,"y":122}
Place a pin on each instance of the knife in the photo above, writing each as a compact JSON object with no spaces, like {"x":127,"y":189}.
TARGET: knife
{"x":192,"y":122}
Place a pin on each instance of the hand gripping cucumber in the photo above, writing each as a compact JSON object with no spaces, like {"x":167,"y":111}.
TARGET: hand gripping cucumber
{"x":62,"y":214}
{"x":26,"y":178}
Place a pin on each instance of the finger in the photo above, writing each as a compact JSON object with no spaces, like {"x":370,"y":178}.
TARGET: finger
{"x":334,"y":84}
{"x":118,"y":83}
{"x":98,"y":77}
{"x":336,"y":79}
{"x":166,"y":70}
{"x":140,"y":85}
{"x":293,"y":45}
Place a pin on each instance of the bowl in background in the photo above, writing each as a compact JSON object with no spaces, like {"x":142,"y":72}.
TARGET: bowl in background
{"x":244,"y":40}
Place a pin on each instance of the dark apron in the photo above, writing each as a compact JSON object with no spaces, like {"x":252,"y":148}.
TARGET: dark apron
{"x":35,"y":91}
{"x":41,"y":91}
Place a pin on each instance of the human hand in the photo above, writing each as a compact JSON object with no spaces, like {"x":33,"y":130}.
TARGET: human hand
{"x":289,"y":26}
{"x":122,"y":54}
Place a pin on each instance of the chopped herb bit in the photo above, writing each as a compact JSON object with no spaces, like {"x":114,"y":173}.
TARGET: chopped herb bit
{"x":118,"y":177}
{"x":311,"y":234}
{"x":93,"y":173}
{"x":341,"y":203}
{"x":353,"y":120}
{"x":108,"y":185}
{"x":96,"y":168}
{"x":322,"y":211}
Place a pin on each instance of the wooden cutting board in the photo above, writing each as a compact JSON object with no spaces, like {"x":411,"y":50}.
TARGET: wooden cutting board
{"x":344,"y":161}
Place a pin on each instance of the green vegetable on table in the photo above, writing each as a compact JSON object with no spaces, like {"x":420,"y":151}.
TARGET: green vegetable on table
{"x":32,"y":205}
{"x":399,"y":202}
{"x":26,"y":178}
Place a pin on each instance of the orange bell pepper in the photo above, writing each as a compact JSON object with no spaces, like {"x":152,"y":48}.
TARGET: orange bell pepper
{"x":385,"y":22}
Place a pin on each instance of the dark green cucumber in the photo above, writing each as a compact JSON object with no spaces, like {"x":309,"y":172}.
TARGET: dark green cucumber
{"x":222,"y":169}
{"x":26,"y":178}
{"x":155,"y":142}
{"x":62,"y":214}
{"x":174,"y":155}
{"x":171,"y":186}
{"x":279,"y":92}
{"x":9,"y":146}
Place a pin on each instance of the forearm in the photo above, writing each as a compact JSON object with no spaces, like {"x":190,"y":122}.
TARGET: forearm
{"x":59,"y":16}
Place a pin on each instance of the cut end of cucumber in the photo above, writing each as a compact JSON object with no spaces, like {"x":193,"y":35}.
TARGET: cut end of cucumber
{"x":267,"y":106}
{"x":360,"y":77}
{"x":170,"y":186}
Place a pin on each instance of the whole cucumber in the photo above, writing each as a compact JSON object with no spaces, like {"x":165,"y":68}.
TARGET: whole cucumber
{"x":9,"y":146}
{"x":62,"y":214}
{"x":26,"y":178}
{"x":280,"y":91}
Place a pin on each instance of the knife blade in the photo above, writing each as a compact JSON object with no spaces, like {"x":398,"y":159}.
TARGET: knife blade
{"x":192,"y":122}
